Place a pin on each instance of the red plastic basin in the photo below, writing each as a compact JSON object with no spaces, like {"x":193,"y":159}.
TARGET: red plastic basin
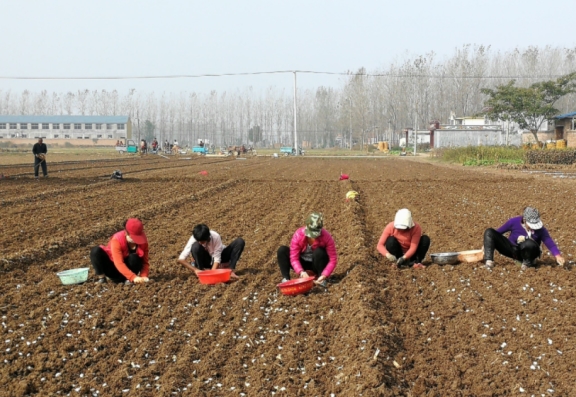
{"x":297,"y":286}
{"x":214,"y":276}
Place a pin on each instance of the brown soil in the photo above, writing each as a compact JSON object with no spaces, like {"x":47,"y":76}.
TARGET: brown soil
{"x":443,"y":331}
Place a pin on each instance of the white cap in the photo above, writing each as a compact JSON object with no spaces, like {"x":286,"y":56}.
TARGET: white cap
{"x":403,"y":219}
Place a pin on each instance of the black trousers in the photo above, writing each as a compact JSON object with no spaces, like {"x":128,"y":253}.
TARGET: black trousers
{"x":320,"y":259}
{"x":102,"y":264}
{"x":527,"y":251}
{"x":394,"y":247}
{"x":39,"y":163}
{"x":231,"y":254}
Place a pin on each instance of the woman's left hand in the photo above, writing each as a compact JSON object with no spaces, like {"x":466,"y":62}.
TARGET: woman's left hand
{"x":320,"y":279}
{"x":560,"y":260}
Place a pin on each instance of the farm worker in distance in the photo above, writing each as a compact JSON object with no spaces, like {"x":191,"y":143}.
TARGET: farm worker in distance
{"x":125,"y":258}
{"x":523,"y":243}
{"x":311,"y":248}
{"x":402,"y":241}
{"x":39,"y":150}
{"x":208,"y":252}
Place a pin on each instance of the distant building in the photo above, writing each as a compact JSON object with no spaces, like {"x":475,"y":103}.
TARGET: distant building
{"x":467,"y":121}
{"x":565,"y":128}
{"x":66,"y":127}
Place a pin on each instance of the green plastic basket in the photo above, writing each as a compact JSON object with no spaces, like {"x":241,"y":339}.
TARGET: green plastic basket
{"x":73,"y":276}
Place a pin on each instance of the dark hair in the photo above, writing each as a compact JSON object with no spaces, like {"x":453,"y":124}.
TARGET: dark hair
{"x":201,"y":232}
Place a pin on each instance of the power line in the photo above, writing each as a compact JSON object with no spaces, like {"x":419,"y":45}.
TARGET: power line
{"x":192,"y":76}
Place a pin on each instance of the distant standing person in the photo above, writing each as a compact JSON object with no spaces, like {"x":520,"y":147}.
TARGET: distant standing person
{"x":40,"y":149}
{"x":125,"y":258}
{"x":207,"y":251}
{"x":201,"y":144}
{"x":527,"y":233}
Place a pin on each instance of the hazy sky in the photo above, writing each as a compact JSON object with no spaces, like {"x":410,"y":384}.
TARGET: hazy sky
{"x":70,"y":38}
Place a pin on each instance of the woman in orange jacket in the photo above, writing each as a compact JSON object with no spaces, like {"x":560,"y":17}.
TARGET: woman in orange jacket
{"x":125,"y":258}
{"x":402,"y":241}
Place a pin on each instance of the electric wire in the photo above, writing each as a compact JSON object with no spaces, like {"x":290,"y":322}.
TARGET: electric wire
{"x":351,"y":74}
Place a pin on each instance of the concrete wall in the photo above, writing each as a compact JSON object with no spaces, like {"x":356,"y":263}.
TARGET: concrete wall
{"x":528,"y":137}
{"x":569,"y":135}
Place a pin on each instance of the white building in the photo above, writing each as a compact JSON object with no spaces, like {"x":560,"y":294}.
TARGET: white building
{"x":66,"y":127}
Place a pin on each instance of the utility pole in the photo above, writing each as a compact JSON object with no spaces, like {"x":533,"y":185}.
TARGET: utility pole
{"x":295,"y":120}
{"x":415,"y":132}
{"x":138,"y":120}
{"x":349,"y":99}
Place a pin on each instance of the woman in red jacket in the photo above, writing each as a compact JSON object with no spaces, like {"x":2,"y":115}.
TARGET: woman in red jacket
{"x":402,"y":241}
{"x":312,"y":248}
{"x":125,"y":258}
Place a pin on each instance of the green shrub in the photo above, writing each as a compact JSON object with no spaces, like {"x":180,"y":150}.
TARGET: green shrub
{"x":481,"y":155}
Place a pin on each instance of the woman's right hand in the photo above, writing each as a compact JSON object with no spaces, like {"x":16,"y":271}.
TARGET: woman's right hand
{"x":303,"y":274}
{"x":139,"y":280}
{"x":390,"y":257}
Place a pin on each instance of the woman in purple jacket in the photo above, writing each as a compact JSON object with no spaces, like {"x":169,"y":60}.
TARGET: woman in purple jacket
{"x":312,"y":248}
{"x":523,"y":242}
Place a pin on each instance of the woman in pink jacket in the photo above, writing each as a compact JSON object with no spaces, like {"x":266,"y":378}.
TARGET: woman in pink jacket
{"x":312,"y":248}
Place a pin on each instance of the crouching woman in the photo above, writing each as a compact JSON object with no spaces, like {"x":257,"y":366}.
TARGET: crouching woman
{"x":527,"y":233}
{"x":125,"y":258}
{"x":402,"y":242}
{"x":311,"y":248}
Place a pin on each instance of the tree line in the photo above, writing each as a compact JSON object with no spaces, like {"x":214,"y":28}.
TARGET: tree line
{"x":369,"y":105}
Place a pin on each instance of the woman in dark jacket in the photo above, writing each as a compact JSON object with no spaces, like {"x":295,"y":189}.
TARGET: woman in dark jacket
{"x":523,"y":243}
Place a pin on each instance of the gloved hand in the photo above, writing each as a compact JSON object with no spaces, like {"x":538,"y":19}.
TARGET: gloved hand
{"x":520,"y":239}
{"x":303,"y":274}
{"x":139,"y":280}
{"x":560,"y":260}
{"x":390,"y":257}
{"x":402,"y":261}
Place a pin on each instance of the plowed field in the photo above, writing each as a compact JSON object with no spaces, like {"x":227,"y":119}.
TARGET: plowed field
{"x":443,"y":331}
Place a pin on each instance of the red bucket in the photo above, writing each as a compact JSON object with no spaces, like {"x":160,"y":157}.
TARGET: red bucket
{"x":214,"y":276}
{"x":297,"y":286}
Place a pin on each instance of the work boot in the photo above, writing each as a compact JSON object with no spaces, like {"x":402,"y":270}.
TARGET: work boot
{"x":526,"y":263}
